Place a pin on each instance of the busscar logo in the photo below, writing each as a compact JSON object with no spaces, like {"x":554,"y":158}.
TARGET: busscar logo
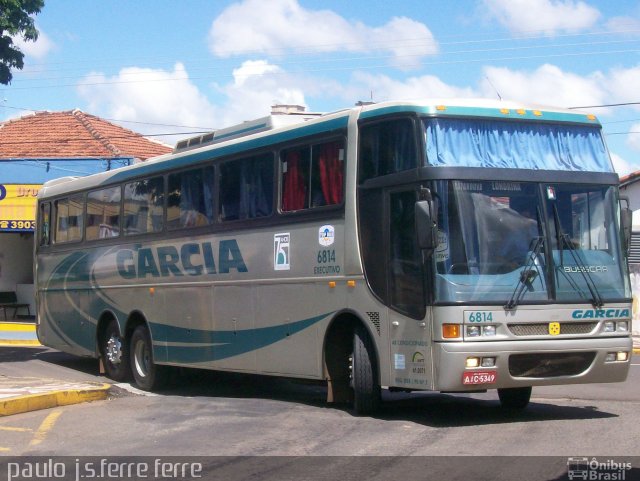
{"x":281,"y":248}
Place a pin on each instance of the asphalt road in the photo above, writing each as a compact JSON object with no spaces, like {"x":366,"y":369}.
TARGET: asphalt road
{"x":221,"y":414}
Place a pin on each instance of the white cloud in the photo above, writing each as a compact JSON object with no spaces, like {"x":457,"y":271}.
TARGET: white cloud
{"x":621,"y":166}
{"x":149,"y":95}
{"x":550,"y":16}
{"x":633,"y":139}
{"x":622,"y":84}
{"x":548,"y":85}
{"x":279,"y":26}
{"x":629,"y":25}
{"x":256,"y":86}
{"x":38,"y":49}
{"x":170,"y":97}
{"x":363,"y":86}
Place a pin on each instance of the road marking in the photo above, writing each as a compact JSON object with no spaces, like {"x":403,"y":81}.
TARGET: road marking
{"x":45,"y":427}
{"x":19,"y":430}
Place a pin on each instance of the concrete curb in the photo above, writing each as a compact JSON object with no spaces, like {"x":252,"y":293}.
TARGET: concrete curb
{"x":46,"y":400}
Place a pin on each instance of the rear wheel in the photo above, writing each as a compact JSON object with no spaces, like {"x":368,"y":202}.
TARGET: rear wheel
{"x":147,"y":374}
{"x":113,"y":350}
{"x":515,"y":398}
{"x":364,"y":374}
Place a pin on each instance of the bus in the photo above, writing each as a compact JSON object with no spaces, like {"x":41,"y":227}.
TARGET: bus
{"x":448,"y":245}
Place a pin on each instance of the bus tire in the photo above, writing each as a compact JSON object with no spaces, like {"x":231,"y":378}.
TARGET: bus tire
{"x":114,"y":353}
{"x":147,"y":375}
{"x":514,"y":398}
{"x":366,"y":389}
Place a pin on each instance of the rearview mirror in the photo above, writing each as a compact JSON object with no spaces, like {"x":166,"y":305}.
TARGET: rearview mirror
{"x":626,"y":222}
{"x":426,"y":228}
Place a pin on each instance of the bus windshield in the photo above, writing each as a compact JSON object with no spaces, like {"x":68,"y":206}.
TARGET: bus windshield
{"x":524,"y":241}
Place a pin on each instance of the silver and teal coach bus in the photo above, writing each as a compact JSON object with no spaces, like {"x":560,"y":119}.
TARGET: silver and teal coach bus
{"x":452,"y":246}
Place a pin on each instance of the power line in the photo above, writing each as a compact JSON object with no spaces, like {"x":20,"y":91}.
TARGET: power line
{"x":207,"y":129}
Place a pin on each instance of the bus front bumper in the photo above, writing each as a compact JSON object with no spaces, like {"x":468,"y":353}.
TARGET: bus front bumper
{"x":529,"y":363}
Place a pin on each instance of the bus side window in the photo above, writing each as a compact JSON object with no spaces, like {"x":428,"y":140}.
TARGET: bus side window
{"x":295,"y":175}
{"x":144,"y":206}
{"x":69,"y":219}
{"x":246,"y":188}
{"x":312,"y":177}
{"x":386,"y":148}
{"x":45,"y":223}
{"x":103,"y":213}
{"x":190,"y":202}
{"x":327,"y":174}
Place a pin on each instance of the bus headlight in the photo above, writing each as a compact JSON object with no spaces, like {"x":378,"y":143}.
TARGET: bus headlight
{"x":622,"y":326}
{"x":488,"y":330}
{"x":473,"y":331}
{"x":609,"y":326}
{"x":472,"y":362}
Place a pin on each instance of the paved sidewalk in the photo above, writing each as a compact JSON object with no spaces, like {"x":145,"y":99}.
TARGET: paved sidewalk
{"x":23,"y":394}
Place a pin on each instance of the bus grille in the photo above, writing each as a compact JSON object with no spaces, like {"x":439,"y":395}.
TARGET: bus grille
{"x":542,"y":328}
{"x":550,"y":364}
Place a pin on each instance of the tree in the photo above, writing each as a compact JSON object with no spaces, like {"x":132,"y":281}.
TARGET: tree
{"x":15,"y":22}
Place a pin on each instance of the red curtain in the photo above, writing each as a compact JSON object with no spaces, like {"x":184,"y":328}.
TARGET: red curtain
{"x":294,"y":189}
{"x":331,"y":172}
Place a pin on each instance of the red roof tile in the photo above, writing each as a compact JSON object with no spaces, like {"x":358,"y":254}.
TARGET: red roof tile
{"x":72,"y":134}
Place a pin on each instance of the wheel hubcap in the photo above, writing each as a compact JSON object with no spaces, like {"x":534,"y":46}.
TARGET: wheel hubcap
{"x":114,"y":350}
{"x":142,"y":358}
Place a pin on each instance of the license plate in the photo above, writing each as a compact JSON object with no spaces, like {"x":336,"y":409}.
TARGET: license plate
{"x":479,"y":377}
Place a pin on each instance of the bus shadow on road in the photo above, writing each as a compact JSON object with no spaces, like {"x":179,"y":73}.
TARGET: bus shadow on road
{"x":20,"y":353}
{"x":450,"y":410}
{"x":431,"y":409}
{"x":428,"y":408}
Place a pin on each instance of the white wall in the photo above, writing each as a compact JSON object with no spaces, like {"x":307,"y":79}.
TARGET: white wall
{"x":632,"y":191}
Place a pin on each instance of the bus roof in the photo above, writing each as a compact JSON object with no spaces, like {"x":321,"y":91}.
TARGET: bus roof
{"x":275,"y":129}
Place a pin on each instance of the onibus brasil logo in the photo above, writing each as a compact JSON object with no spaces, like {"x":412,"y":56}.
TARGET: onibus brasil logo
{"x":593,"y":469}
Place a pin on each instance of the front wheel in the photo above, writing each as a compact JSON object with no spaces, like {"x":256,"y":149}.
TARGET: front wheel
{"x":147,"y":374}
{"x":515,"y":398}
{"x":364,"y":374}
{"x":113,"y":351}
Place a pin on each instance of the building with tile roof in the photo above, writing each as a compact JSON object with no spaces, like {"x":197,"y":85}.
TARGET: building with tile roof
{"x":44,"y":146}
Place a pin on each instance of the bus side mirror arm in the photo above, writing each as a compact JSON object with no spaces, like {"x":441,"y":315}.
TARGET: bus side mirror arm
{"x":426,"y":229}
{"x":626,"y":222}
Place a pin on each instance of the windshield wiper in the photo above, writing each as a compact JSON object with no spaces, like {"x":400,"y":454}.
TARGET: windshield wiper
{"x":564,"y":239}
{"x":527,"y":274}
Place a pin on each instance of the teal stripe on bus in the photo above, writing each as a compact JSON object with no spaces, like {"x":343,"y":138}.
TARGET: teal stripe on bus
{"x":222,"y":344}
{"x":482,"y":112}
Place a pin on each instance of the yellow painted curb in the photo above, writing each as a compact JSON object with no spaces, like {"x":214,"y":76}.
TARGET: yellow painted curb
{"x":34,"y":402}
{"x":18,"y":326}
{"x":19,"y":342}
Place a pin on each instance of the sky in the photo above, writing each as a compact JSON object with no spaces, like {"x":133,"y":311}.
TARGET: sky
{"x":171,"y":69}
